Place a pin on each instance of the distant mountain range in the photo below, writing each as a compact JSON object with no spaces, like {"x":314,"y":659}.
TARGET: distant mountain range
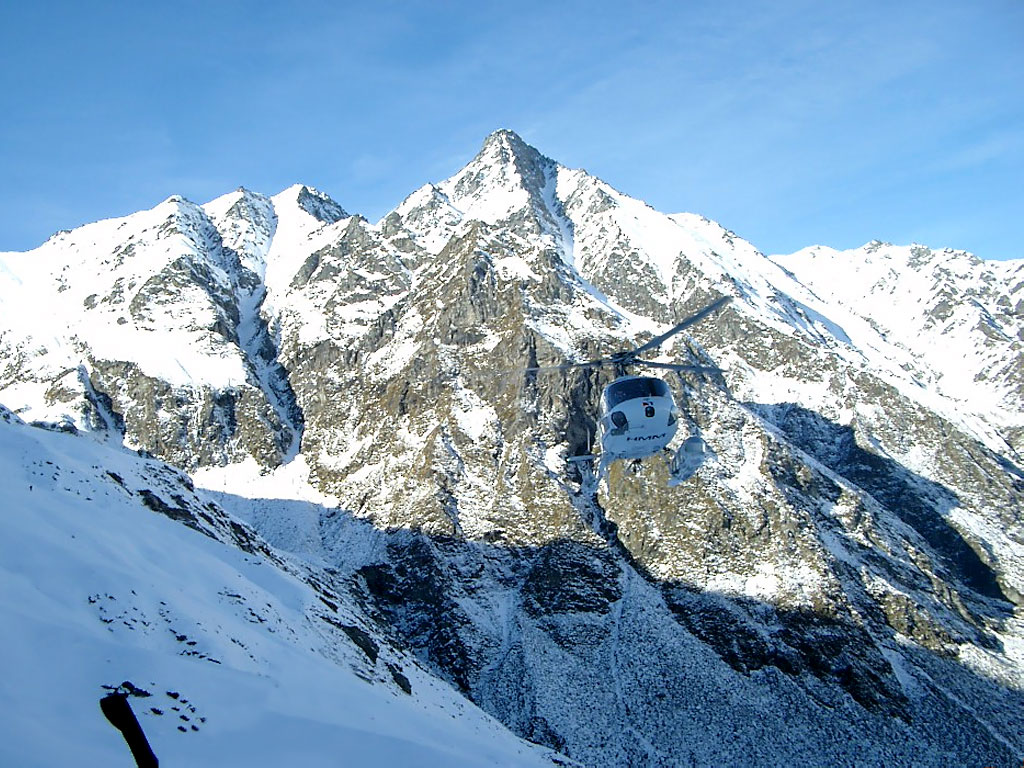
{"x":841,"y":583}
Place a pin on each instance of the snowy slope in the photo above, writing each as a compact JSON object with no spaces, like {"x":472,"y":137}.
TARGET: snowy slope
{"x":176,"y":291}
{"x":958,"y":321}
{"x":96,"y":589}
{"x":83,"y":287}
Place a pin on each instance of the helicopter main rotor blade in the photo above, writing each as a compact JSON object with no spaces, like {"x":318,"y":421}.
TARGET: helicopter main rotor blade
{"x":544,"y":368}
{"x":708,"y":369}
{"x":657,"y":341}
{"x":562,"y":366}
{"x":629,"y":358}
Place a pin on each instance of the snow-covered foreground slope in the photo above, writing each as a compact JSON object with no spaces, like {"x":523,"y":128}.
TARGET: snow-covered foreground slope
{"x":96,"y":589}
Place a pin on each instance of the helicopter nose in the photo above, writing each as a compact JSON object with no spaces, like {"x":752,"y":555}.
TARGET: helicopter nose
{"x":649,"y":411}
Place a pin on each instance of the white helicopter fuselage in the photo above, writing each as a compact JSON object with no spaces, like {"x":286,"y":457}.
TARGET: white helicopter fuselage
{"x":638,"y":418}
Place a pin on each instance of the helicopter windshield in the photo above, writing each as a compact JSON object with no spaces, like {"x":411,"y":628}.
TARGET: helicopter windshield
{"x":628,"y":389}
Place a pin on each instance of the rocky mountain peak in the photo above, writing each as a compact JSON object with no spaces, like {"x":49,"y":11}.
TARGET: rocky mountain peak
{"x":507,"y":177}
{"x":319,"y":205}
{"x":245,"y":203}
{"x":246,"y":223}
{"x":507,"y":138}
{"x":505,"y":146}
{"x":508,"y":183}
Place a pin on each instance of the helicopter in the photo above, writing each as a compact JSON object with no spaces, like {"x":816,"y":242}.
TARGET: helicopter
{"x":639,"y":417}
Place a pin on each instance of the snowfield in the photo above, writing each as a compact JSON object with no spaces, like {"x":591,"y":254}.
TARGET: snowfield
{"x":230,"y":662}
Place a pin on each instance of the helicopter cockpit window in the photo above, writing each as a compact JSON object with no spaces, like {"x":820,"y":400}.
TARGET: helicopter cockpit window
{"x":629,"y":389}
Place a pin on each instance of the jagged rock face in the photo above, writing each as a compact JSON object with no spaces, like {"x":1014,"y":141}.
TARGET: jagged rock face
{"x":191,"y":426}
{"x":855,"y":538}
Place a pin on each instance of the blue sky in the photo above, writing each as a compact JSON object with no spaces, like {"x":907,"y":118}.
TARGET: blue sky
{"x":791,"y":122}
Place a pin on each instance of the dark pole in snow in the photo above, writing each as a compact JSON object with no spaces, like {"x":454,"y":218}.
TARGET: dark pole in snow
{"x":119,"y":712}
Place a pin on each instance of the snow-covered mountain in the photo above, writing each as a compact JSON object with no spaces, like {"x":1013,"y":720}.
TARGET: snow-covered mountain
{"x":842,"y":582}
{"x":117,"y":577}
{"x":953,"y":321}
